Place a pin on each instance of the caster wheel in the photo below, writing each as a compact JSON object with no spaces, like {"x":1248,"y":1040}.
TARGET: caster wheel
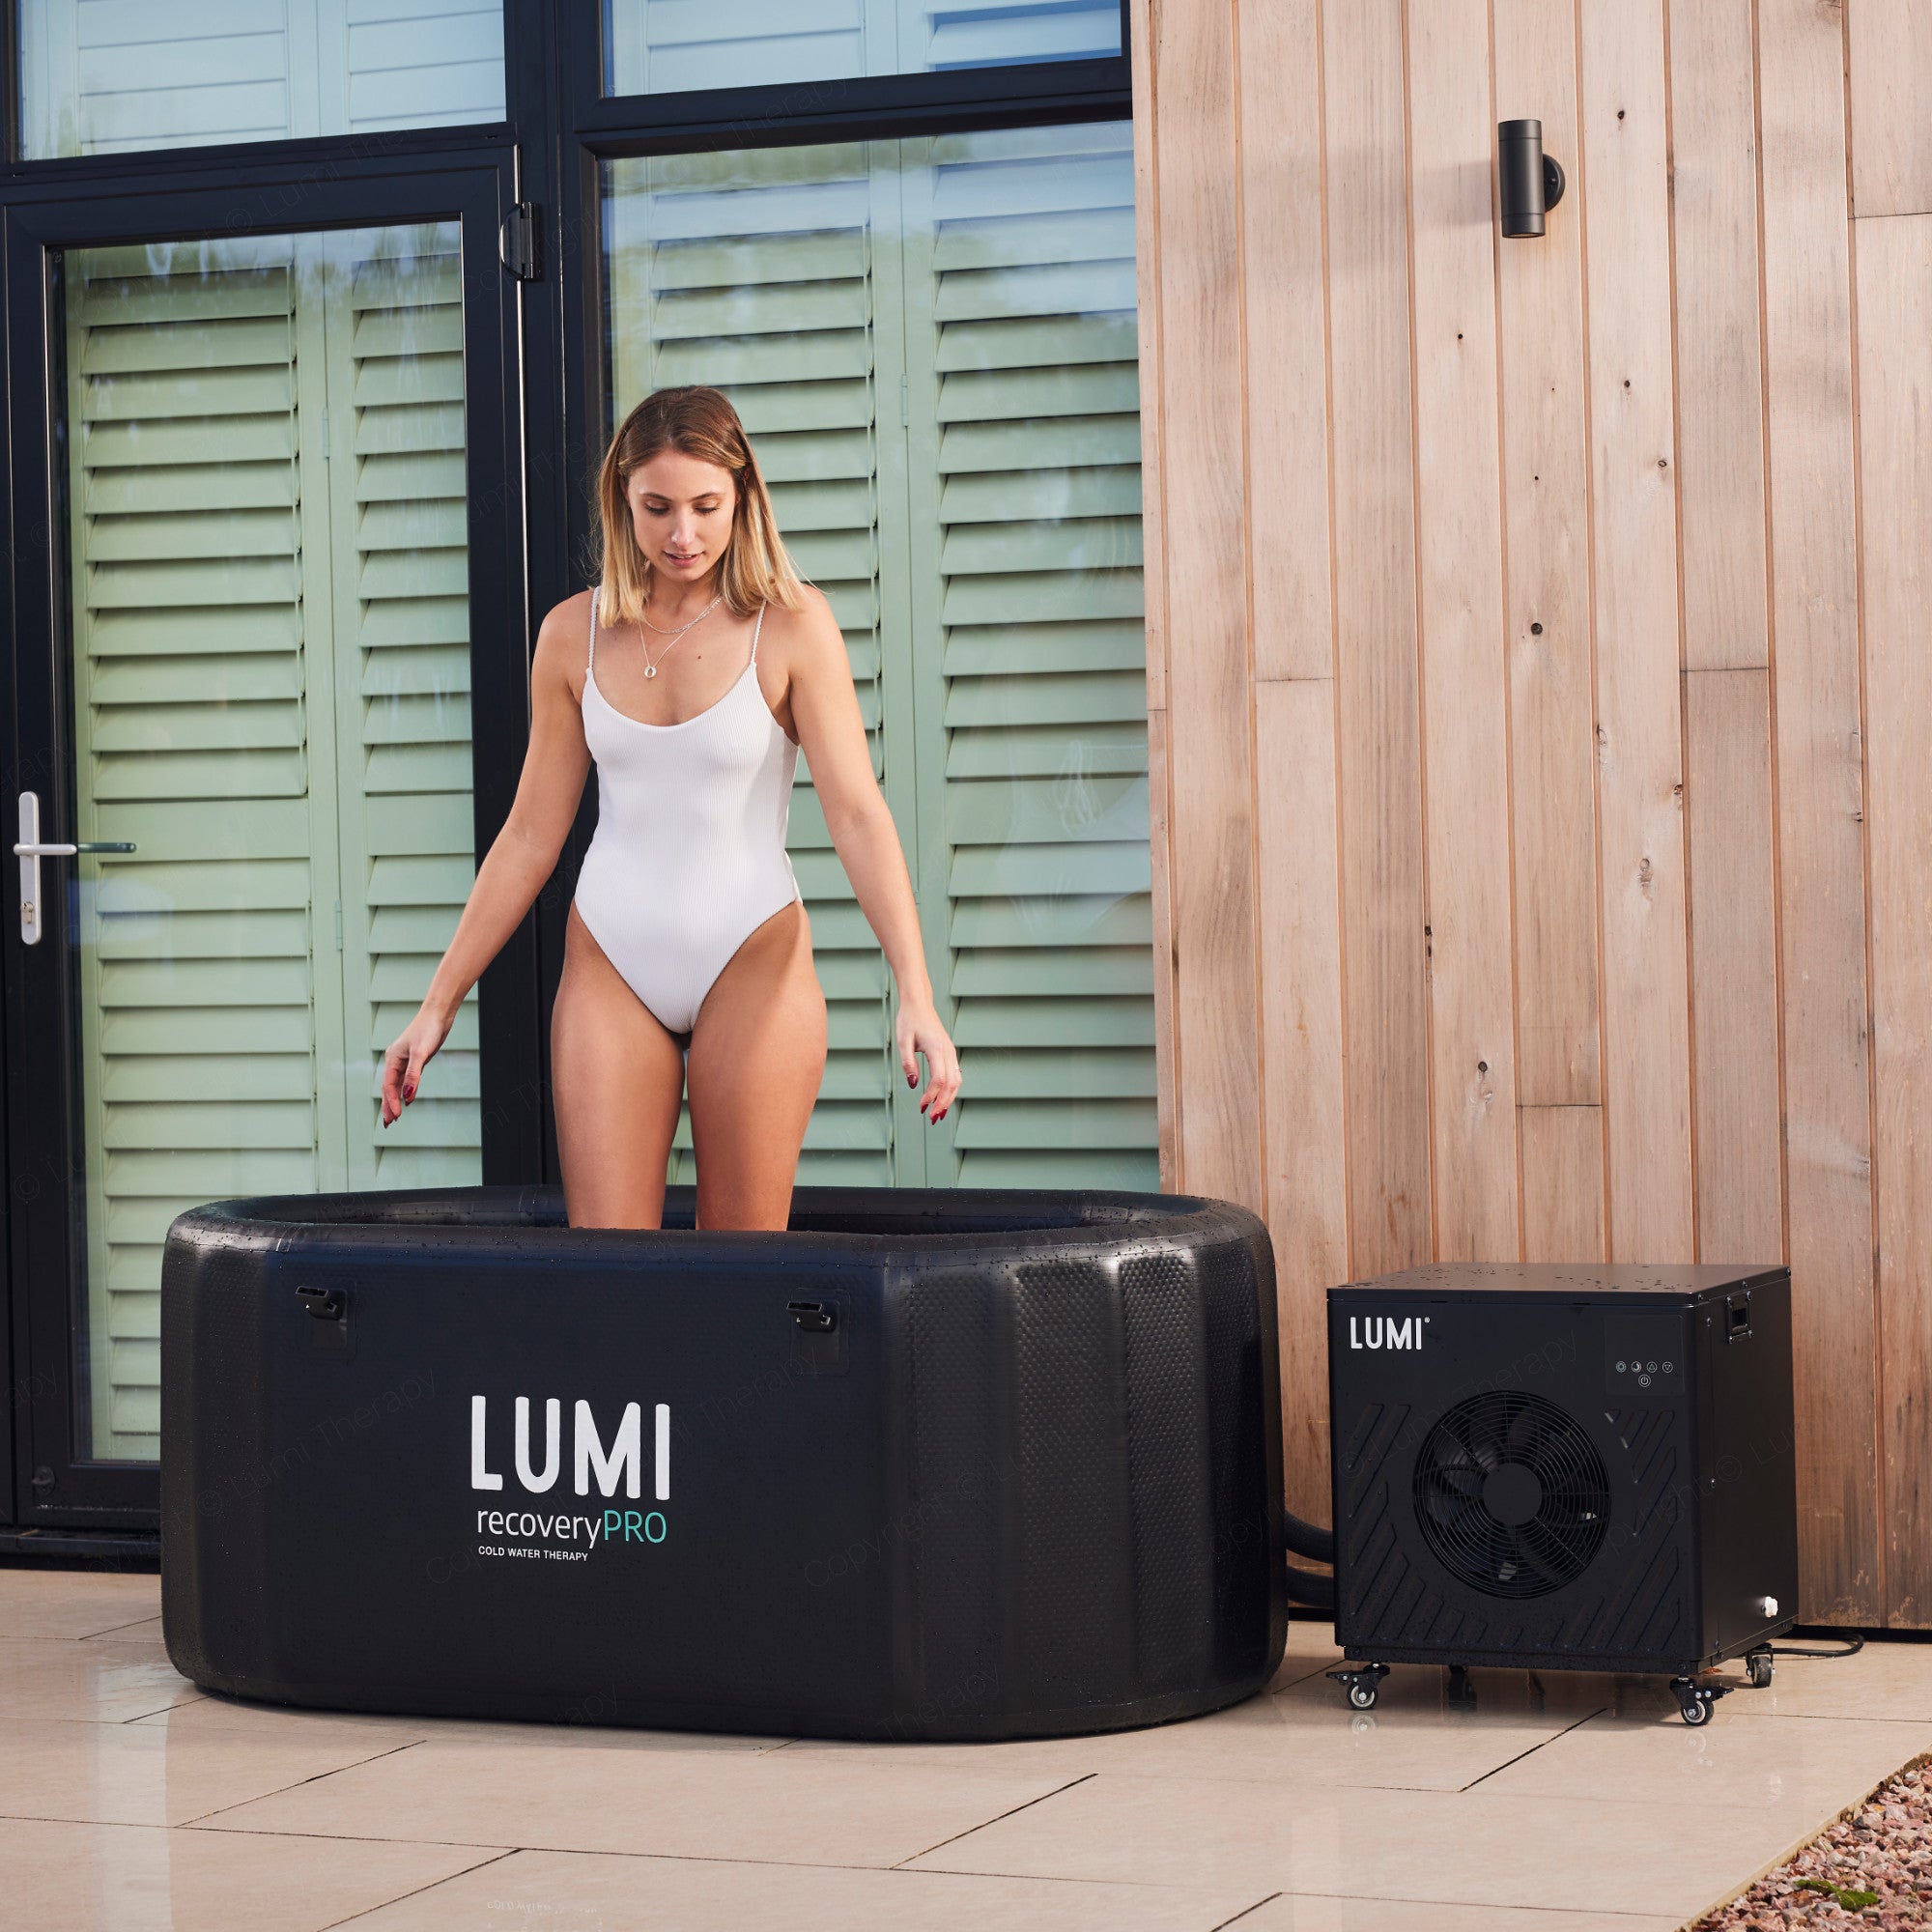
{"x":1759,"y":1667}
{"x":1695,"y":1710}
{"x":1362,"y":1696}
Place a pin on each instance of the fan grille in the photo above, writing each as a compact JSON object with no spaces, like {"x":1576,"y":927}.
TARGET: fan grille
{"x":1512,"y":1496}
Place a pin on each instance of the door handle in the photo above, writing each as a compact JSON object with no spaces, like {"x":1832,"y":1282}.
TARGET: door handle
{"x":30,"y":851}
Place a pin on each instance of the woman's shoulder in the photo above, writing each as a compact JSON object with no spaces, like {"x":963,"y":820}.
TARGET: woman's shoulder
{"x":562,"y":639}
{"x":813,"y":619}
{"x":567,"y":625}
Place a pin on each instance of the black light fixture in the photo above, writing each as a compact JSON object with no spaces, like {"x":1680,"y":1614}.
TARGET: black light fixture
{"x":1531,"y":182}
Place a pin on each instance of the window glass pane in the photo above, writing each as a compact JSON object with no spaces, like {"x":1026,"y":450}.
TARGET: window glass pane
{"x":98,"y":77}
{"x":660,"y":47}
{"x":271,"y":699}
{"x":933,"y":345}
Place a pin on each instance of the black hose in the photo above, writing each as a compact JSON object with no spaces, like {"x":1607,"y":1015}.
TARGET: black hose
{"x":1853,"y":1645}
{"x":1311,"y":1588}
{"x":1309,"y":1539}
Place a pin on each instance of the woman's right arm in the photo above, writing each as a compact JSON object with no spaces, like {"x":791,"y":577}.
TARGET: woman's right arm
{"x":521,"y":857}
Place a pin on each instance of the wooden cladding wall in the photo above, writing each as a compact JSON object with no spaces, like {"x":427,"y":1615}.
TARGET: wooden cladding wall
{"x":1540,"y":689}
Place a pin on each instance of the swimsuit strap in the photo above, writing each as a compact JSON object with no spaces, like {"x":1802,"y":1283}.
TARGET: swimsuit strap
{"x":591,"y":661}
{"x":755,"y":629}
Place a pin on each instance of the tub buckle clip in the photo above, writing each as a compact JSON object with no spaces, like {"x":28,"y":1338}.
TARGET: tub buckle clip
{"x":325,"y":1304}
{"x":813,"y":1317}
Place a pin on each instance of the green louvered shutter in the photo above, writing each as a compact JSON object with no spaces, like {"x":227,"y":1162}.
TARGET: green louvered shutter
{"x":270,"y":679}
{"x":958,"y":315}
{"x":427,"y":63}
{"x":663,"y":46}
{"x":200,"y":984}
{"x":1029,"y":656}
{"x":751,"y":272}
{"x":98,"y":77}
{"x":940,"y":34}
{"x":398,"y":590}
{"x":103,"y":77}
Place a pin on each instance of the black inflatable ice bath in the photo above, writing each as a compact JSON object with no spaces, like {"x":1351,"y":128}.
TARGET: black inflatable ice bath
{"x":936,"y":1465}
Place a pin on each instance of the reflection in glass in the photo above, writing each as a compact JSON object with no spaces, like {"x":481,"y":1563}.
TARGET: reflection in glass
{"x":663,"y":47}
{"x":933,"y":345}
{"x":98,"y":77}
{"x":270,"y":675}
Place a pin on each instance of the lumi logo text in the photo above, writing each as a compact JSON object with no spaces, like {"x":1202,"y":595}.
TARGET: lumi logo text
{"x":1384,"y":1331}
{"x":621,"y":1463}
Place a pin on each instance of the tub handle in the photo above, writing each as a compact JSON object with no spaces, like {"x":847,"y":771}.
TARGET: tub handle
{"x":325,"y":1304}
{"x":813,"y":1317}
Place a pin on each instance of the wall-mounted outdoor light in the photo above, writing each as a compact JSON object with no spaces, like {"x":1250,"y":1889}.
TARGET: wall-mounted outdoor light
{"x":1531,"y":180}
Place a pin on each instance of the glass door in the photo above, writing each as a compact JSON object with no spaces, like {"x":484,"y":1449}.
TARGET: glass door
{"x":247,"y":753}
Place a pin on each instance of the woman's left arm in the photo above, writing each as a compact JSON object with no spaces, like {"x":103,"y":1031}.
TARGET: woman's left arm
{"x":831,"y":733}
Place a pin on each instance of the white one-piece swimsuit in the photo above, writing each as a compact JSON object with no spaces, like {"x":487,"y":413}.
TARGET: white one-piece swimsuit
{"x":689,"y":856}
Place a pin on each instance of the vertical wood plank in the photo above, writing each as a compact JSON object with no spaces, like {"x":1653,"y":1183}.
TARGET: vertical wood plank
{"x":1465,"y":707}
{"x":1891,"y":132}
{"x":1154,"y":578}
{"x":1279,"y":55}
{"x":1377,"y":705}
{"x":1563,"y":1217}
{"x":1307,"y":1183}
{"x":1204,"y":529}
{"x":1734,"y":965}
{"x":1553,"y":705}
{"x":1720,"y":363}
{"x":1303,"y":1113}
{"x":1646,"y":993}
{"x":1820,"y":803}
{"x":1740,"y":1205}
{"x":1160,"y":849}
{"x":1894,"y":282}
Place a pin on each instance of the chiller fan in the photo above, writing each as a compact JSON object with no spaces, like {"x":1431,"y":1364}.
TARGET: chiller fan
{"x":1512,"y":1494}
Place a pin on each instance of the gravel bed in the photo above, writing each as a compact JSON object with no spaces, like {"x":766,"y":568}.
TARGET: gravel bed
{"x":1873,"y":1866}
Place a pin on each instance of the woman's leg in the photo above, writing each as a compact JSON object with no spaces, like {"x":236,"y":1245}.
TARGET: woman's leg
{"x":757,"y":1054}
{"x":618,"y":1076}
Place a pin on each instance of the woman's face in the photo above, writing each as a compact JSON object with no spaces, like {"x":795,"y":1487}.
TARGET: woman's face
{"x":681,"y":509}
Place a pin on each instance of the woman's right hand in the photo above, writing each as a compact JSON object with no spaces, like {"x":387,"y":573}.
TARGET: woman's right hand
{"x":413,"y":1049}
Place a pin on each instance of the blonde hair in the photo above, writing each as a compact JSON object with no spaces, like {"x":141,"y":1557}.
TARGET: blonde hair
{"x":756,"y":570}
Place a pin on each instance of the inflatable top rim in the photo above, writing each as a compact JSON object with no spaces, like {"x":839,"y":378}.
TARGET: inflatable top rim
{"x":849,"y":1220}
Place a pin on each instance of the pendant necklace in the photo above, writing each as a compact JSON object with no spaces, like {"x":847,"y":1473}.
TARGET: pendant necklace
{"x":650,"y":669}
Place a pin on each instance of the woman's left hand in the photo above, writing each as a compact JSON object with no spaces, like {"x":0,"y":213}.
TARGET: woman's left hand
{"x":918,"y":1030}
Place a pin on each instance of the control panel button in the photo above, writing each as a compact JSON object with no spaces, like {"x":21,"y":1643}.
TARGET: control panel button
{"x":1643,"y":1353}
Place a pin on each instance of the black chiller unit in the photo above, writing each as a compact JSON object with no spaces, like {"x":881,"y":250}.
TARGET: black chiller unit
{"x":1563,"y":1467}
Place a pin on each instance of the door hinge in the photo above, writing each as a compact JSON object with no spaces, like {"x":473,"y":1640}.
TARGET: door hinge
{"x":521,"y":242}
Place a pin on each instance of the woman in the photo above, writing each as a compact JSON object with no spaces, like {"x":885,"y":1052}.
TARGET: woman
{"x":693,"y":676}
